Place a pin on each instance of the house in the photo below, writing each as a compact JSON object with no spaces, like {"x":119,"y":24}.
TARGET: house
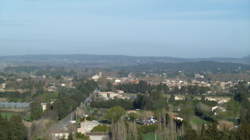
{"x":87,"y":126}
{"x":118,"y":81}
{"x":58,"y":135}
{"x":19,"y":80}
{"x":98,"y":136}
{"x":111,"y":95}
{"x":217,"y":108}
{"x":52,"y":88}
{"x":44,"y":106}
{"x":149,"y":121}
{"x":219,"y":100}
{"x":179,"y":98}
{"x":3,"y":86}
{"x":63,"y":84}
{"x":96,"y":77}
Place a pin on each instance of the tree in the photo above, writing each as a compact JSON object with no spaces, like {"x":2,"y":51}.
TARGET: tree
{"x":172,"y":98}
{"x":240,"y":91}
{"x":115,"y":113}
{"x":139,"y":102}
{"x":36,"y":110}
{"x":12,"y":129}
{"x":190,"y":134}
{"x":1,"y":80}
{"x":19,"y":131}
{"x":109,"y":86}
{"x":70,"y":136}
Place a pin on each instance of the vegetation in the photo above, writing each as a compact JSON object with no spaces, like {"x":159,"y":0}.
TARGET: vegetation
{"x":115,"y":113}
{"x":80,"y":136}
{"x":156,"y":112}
{"x":101,"y":128}
{"x":126,"y":104}
{"x":12,"y":129}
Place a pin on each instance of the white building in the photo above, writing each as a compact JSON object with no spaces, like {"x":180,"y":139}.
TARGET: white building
{"x":95,"y":77}
{"x":44,"y":106}
{"x":111,"y":95}
{"x":87,"y":126}
{"x":3,"y":86}
{"x":60,"y":135}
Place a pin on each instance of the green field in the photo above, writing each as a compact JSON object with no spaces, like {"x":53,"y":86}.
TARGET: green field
{"x":197,"y":121}
{"x":7,"y":114}
{"x":150,"y":136}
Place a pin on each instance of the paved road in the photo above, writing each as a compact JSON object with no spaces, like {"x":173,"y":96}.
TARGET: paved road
{"x":62,"y":124}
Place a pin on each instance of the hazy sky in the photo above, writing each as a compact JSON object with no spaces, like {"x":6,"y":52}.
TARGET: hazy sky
{"x":182,"y":28}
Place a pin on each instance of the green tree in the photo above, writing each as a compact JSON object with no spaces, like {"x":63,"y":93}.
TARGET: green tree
{"x":115,"y":113}
{"x":36,"y":110}
{"x":240,"y":91}
{"x":19,"y":131}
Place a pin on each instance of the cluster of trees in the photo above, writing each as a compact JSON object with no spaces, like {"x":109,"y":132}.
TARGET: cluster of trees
{"x":56,"y":72}
{"x":152,"y":101}
{"x":126,"y":104}
{"x":14,"y":96}
{"x":191,"y":90}
{"x":66,"y":100}
{"x":189,"y":67}
{"x":241,"y":92}
{"x":1,"y":80}
{"x":167,"y":128}
{"x":12,"y":129}
{"x":69,"y":99}
{"x":142,"y":87}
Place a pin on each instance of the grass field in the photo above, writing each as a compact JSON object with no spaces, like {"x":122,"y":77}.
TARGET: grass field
{"x":197,"y":121}
{"x":7,"y":114}
{"x":150,"y":136}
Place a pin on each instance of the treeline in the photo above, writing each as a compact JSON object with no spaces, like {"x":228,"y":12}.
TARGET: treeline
{"x":126,"y":104}
{"x":189,"y":67}
{"x":54,"y":71}
{"x":191,"y":90}
{"x":242,"y":132}
{"x":142,"y":87}
{"x":67,"y":100}
{"x":150,"y":101}
{"x":12,"y":129}
{"x":167,"y":128}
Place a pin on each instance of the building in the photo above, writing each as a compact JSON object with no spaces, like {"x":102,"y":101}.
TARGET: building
{"x":58,"y":135}
{"x":14,"y":105}
{"x":97,"y":76}
{"x":44,"y":106}
{"x":3,"y":86}
{"x":179,"y":98}
{"x":111,"y":95}
{"x":87,"y":126}
{"x":219,"y":100}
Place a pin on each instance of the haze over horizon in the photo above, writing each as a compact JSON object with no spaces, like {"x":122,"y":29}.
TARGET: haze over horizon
{"x":187,"y":29}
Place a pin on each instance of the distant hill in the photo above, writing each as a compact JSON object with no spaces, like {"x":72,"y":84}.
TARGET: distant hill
{"x":190,"y":67}
{"x":107,"y":60}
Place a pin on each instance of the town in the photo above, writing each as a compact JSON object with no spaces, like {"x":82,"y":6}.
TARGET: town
{"x":99,"y":104}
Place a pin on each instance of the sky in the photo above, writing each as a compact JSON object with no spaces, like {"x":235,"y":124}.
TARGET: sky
{"x":177,"y":28}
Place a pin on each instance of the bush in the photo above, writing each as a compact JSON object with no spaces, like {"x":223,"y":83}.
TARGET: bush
{"x":82,"y":136}
{"x":148,"y":128}
{"x":101,"y":128}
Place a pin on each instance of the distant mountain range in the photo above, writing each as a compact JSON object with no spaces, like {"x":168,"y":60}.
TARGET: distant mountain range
{"x":108,"y":60}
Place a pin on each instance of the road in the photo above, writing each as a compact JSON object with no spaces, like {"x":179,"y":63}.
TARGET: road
{"x":65,"y":122}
